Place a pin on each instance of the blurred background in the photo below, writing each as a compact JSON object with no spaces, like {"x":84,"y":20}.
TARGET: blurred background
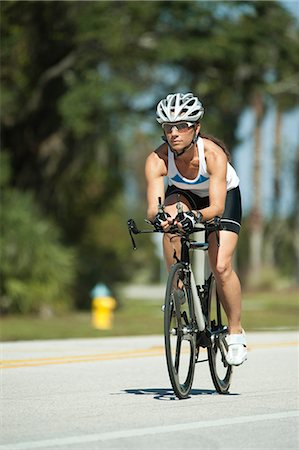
{"x":80,"y":81}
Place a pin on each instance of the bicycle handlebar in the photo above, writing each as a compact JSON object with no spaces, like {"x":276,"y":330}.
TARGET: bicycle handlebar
{"x":208,"y":226}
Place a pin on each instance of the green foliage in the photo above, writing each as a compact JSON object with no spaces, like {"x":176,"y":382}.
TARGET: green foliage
{"x":5,"y":169}
{"x":37,"y":271}
{"x":78,"y":104}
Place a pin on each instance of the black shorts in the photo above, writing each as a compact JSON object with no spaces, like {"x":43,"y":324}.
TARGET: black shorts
{"x":232,"y":216}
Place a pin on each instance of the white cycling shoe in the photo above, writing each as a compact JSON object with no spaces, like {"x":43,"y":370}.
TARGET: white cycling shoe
{"x":237,"y":352}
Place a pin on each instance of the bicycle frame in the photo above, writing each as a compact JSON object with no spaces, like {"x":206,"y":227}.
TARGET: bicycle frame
{"x":186,"y":245}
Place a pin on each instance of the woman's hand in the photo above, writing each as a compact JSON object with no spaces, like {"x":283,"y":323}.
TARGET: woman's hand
{"x":186,"y":221}
{"x":162,"y":221}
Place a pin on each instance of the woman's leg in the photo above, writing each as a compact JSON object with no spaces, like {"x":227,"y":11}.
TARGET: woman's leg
{"x":228,"y":284}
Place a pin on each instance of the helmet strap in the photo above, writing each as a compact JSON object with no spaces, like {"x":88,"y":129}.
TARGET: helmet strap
{"x":185,"y":149}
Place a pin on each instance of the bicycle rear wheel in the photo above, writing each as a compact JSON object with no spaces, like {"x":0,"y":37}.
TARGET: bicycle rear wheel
{"x":221,"y":372}
{"x":179,"y":332}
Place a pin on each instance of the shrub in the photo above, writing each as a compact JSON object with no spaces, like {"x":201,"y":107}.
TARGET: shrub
{"x":37,"y":271}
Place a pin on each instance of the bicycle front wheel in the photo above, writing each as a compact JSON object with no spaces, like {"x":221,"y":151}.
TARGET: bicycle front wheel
{"x":179,"y":332}
{"x":221,"y":372}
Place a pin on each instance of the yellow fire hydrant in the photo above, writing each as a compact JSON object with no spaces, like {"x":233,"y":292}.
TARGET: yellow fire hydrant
{"x":103,"y":305}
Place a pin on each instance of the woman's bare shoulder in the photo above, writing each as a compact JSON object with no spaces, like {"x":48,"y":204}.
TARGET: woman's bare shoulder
{"x":213,"y":151}
{"x":158,"y":159}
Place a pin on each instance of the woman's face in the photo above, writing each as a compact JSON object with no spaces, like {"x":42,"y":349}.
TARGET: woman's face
{"x":180,"y":134}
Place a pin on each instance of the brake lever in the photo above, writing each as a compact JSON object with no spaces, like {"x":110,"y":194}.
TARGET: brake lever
{"x":179,"y":207}
{"x":132,"y":228}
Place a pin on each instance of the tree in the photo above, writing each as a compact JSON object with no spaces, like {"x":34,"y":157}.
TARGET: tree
{"x":256,"y":216}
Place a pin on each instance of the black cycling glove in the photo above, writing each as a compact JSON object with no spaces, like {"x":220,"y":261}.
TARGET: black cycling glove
{"x":188,"y":221}
{"x":160,"y":217}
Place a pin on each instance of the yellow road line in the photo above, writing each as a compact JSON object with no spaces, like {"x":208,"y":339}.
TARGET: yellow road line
{"x":274,"y":344}
{"x":116,"y":354}
{"x":154,"y":351}
{"x":141,"y":353}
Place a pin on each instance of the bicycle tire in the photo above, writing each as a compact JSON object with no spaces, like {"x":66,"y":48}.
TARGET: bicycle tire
{"x":179,"y":333}
{"x":221,"y":372}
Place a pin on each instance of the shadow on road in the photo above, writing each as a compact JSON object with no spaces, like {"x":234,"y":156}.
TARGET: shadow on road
{"x":168,"y":394}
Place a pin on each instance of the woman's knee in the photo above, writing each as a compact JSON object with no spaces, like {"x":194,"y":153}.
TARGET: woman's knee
{"x":171,"y":240}
{"x":222,"y":270}
{"x":221,"y":257}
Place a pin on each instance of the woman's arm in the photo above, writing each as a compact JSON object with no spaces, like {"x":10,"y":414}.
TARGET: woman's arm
{"x":155,"y":171}
{"x":216,"y":161}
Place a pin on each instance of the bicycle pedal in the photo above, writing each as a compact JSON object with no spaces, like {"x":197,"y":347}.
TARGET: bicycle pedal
{"x":202,"y":340}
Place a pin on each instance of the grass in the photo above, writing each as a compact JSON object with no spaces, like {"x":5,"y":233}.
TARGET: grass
{"x":261,"y":311}
{"x":271,"y":310}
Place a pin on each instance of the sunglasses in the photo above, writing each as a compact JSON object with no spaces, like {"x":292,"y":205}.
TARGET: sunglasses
{"x":182,"y":127}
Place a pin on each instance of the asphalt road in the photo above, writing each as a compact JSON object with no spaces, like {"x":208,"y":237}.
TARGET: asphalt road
{"x":115,"y":394}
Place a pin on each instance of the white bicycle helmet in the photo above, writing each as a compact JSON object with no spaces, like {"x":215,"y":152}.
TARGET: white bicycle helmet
{"x":178,"y":107}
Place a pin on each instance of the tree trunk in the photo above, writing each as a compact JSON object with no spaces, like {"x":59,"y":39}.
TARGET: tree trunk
{"x":297,"y":217}
{"x":256,"y":219}
{"x":273,"y":231}
{"x":277,"y":160}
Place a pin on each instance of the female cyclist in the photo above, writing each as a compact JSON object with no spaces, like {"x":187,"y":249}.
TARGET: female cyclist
{"x":197,"y":167}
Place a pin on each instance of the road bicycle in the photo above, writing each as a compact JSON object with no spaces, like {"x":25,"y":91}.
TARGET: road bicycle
{"x":193,"y":315}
